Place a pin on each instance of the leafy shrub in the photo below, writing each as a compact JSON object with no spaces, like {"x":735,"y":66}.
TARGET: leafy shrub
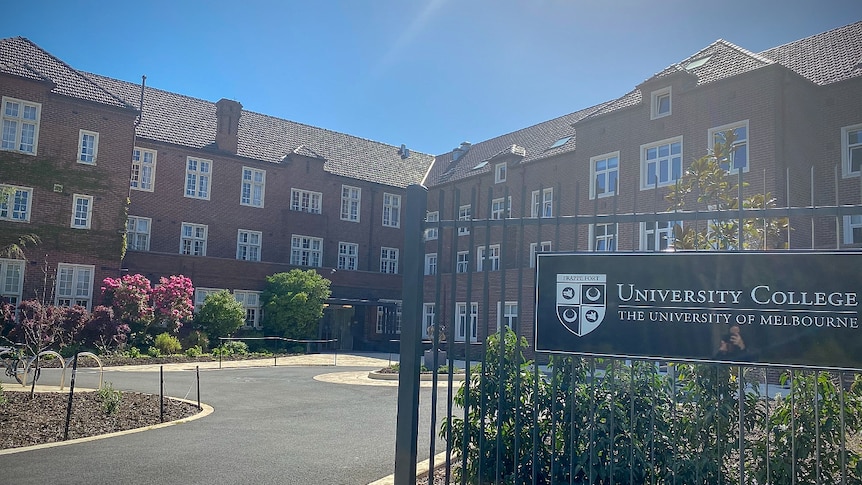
{"x":236,"y":347}
{"x":110,"y":398}
{"x":154,"y":352}
{"x":194,"y":351}
{"x":231,"y":347}
{"x":196,"y":338}
{"x":133,"y":352}
{"x":167,"y":344}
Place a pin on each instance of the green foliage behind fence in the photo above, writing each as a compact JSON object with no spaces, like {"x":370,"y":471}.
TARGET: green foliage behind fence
{"x":600,"y":421}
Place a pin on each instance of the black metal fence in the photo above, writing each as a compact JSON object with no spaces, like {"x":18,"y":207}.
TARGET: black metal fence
{"x":520,"y":417}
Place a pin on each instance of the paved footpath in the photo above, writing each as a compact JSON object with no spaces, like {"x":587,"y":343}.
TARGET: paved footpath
{"x":305,"y":420}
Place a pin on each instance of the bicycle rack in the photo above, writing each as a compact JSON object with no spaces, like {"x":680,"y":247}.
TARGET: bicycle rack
{"x":29,"y":364}
{"x":84,"y":354}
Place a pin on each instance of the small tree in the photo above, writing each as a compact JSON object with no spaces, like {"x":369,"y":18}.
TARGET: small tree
{"x":708,"y":183}
{"x":293,"y":303}
{"x":221,"y":315}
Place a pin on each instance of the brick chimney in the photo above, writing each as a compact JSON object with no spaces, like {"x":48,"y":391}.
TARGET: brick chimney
{"x":227,"y":116}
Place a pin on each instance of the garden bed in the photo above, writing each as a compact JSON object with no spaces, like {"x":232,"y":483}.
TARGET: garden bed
{"x":42,"y":419}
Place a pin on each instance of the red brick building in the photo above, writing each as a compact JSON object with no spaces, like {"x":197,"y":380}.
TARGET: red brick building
{"x":222,"y":195}
{"x":64,"y":165}
{"x":227,"y":196}
{"x":590,"y":180}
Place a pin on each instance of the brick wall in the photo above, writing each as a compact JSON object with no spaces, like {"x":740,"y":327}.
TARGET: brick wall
{"x":55,"y":177}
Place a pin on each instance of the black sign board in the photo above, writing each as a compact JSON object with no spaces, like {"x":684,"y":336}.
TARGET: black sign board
{"x":779,"y":308}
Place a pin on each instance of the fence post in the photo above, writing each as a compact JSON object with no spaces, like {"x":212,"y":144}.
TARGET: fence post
{"x":71,"y":393}
{"x":407,"y":425}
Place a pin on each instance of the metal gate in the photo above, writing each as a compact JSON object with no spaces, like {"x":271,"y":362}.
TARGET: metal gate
{"x":516,"y":417}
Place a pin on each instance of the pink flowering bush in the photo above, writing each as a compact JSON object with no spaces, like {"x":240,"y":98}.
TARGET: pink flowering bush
{"x":129,"y":297}
{"x":172,"y":301}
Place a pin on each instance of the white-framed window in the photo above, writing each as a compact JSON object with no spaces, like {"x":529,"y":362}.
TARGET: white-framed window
{"x":11,"y":280}
{"x":143,"y":169}
{"x":391,"y":210}
{"x":465,"y":323}
{"x":492,"y":254}
{"x":661,"y":163}
{"x":20,"y":125}
{"x":465,"y":213}
{"x":508,"y":315}
{"x":15,"y":203}
{"x":501,"y":208}
{"x":431,"y":219}
{"x":138,"y":233}
{"x":853,"y":229}
{"x":542,"y":203}
{"x":389,"y":260}
{"x":500,"y":173}
{"x":193,"y":239}
{"x":539,"y":247}
{"x":88,"y":147}
{"x":603,"y":237}
{"x":305,"y":201}
{"x":250,"y":301}
{"x":351,"y":200}
{"x":431,"y":264}
{"x":851,"y":150}
{"x":198,"y":178}
{"x":74,"y":285}
{"x":253,"y":187}
{"x":201,"y":295}
{"x":306,"y":251}
{"x":248,"y":245}
{"x":660,"y":103}
{"x":82,"y":211}
{"x":462,"y":264}
{"x":429,"y":318}
{"x":604,"y":175}
{"x":389,"y":317}
{"x":348,"y":256}
{"x":738,"y":156}
{"x":657,"y":236}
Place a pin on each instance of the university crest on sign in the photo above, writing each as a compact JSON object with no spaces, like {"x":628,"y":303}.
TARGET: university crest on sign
{"x":581,"y":301}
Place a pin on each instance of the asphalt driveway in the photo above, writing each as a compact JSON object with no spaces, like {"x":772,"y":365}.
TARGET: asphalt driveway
{"x":269,"y":425}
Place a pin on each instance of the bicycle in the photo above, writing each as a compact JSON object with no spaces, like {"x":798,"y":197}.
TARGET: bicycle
{"x":16,"y":364}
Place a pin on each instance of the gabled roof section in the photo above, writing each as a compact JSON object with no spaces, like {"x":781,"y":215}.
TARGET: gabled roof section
{"x":719,"y":60}
{"x":190,"y":122}
{"x":825,"y":58}
{"x":21,"y":57}
{"x":532,"y":143}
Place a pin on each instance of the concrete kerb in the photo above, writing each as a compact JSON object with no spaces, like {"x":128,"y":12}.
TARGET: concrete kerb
{"x":422,"y":470}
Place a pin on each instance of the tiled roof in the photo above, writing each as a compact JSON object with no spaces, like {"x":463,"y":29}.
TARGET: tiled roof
{"x":20,"y":57}
{"x":826,"y":58}
{"x":182,"y":120}
{"x":533,"y":143}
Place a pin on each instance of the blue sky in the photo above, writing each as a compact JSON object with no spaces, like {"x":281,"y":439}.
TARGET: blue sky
{"x":429,"y":74}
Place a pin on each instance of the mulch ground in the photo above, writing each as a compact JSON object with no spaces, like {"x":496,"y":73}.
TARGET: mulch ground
{"x":42,"y":419}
